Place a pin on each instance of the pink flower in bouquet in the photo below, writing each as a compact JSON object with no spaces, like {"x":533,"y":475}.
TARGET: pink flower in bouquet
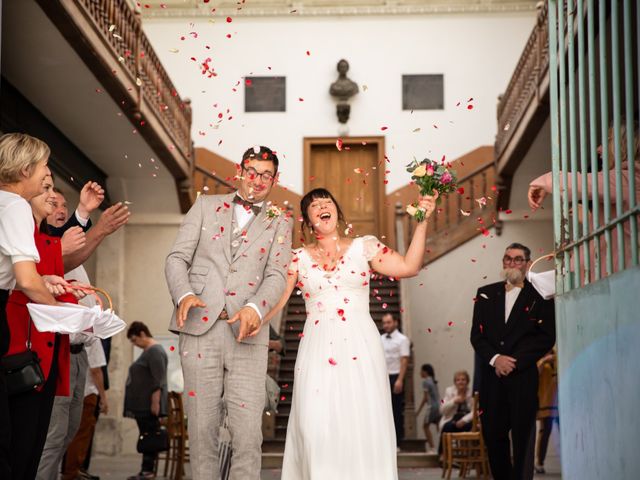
{"x":430,"y":171}
{"x":446,"y":177}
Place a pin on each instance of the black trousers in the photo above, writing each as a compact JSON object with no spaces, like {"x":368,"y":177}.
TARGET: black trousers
{"x":5,"y":419}
{"x":30,"y":414}
{"x":451,"y":427}
{"x":148,"y":423}
{"x":397,"y":404}
{"x":509,"y":404}
{"x":544,"y":433}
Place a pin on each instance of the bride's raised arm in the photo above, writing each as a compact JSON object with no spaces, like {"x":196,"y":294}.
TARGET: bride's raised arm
{"x":292,"y":279}
{"x":389,"y":262}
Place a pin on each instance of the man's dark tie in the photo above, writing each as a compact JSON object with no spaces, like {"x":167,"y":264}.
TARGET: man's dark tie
{"x":247,"y":205}
{"x":388,"y":335}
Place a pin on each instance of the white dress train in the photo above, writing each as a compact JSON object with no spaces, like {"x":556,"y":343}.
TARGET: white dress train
{"x":341,"y":421}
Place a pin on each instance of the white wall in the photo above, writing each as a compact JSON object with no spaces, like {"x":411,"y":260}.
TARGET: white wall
{"x":476,"y":53}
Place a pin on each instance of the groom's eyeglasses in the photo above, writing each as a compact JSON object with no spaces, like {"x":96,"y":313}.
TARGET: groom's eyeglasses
{"x":252,"y":174}
{"x":515,"y":260}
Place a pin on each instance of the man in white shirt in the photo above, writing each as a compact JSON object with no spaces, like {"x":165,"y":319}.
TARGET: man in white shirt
{"x":513,"y":327}
{"x":397,"y":349}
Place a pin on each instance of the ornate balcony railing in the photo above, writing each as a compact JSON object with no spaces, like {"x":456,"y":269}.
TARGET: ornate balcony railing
{"x":121,"y":28}
{"x":526,"y":84}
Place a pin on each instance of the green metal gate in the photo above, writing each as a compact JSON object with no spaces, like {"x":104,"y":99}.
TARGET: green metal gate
{"x":594,"y":102}
{"x":594,"y":96}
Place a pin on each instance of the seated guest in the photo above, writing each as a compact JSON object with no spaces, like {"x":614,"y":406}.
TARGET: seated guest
{"x":146,"y":396}
{"x":456,"y":408}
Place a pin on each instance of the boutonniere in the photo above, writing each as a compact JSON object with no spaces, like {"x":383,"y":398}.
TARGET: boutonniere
{"x":273,"y":211}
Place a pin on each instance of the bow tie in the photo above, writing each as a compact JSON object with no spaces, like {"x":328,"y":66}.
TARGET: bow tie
{"x":247,"y":205}
{"x":508,"y":287}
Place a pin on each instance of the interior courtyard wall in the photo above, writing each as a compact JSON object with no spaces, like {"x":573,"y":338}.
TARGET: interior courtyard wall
{"x":476,"y":53}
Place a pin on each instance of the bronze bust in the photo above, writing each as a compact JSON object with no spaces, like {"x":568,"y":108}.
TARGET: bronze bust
{"x":343,"y":89}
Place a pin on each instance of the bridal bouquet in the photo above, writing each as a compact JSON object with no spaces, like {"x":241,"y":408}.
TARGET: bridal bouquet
{"x":430,"y":176}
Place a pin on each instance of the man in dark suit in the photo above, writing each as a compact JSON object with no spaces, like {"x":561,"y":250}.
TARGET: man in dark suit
{"x":513,"y":327}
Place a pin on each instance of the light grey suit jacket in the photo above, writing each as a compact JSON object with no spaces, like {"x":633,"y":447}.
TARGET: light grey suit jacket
{"x":201,"y":262}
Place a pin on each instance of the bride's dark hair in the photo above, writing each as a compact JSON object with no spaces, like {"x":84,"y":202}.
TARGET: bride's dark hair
{"x":308,"y":200}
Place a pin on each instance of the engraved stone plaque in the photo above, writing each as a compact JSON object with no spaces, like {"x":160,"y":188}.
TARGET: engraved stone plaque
{"x":423,"y":92}
{"x":265,"y":94}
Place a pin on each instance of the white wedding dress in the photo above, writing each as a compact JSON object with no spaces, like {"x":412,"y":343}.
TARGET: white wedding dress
{"x":341,"y":422}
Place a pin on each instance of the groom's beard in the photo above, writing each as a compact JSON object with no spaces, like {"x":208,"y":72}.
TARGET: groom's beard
{"x":513,"y":276}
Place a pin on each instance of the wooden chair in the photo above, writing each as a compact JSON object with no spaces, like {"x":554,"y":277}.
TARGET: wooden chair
{"x":466,"y":449}
{"x":177,"y":456}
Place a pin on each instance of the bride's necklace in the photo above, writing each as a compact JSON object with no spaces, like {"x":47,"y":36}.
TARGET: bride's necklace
{"x":326,"y":259}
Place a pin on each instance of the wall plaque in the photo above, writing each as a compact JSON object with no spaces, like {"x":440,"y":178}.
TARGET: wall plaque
{"x":423,"y":92}
{"x":265,"y":94}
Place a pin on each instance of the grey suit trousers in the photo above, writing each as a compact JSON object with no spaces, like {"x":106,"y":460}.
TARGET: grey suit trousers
{"x":65,"y":419}
{"x":221,"y":373}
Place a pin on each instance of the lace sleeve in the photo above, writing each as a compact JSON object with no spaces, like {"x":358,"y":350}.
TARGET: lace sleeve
{"x":371,"y":247}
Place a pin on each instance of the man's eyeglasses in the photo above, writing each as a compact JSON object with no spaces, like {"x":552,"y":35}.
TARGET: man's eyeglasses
{"x":252,"y":174}
{"x":515,"y":260}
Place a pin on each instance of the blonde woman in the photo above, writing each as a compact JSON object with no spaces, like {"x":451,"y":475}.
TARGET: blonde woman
{"x":23,"y":169}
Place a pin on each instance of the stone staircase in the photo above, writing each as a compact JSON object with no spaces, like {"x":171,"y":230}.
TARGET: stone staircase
{"x":385,"y":298}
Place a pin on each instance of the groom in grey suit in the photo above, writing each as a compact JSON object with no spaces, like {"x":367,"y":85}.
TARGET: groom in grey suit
{"x":226,"y":270}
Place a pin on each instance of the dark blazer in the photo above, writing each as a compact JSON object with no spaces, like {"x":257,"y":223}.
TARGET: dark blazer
{"x":72,"y":222}
{"x":528,"y":335}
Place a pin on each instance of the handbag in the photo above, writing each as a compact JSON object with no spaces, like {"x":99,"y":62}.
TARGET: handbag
{"x":153,"y":442}
{"x":22,"y":371}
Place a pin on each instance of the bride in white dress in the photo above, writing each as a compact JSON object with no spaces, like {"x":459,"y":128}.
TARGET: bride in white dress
{"x":341,"y":422}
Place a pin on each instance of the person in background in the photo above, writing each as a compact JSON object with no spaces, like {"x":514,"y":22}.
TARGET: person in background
{"x":146,"y":396}
{"x":23,"y":169}
{"x":431,"y":399}
{"x":397,"y":349}
{"x":456,"y":407}
{"x":547,"y":405}
{"x":94,"y":396}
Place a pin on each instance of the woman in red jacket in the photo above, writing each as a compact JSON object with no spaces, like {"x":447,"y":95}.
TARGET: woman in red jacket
{"x":30,"y":412}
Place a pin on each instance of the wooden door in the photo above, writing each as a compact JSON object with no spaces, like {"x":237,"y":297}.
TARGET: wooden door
{"x":354,"y":175}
